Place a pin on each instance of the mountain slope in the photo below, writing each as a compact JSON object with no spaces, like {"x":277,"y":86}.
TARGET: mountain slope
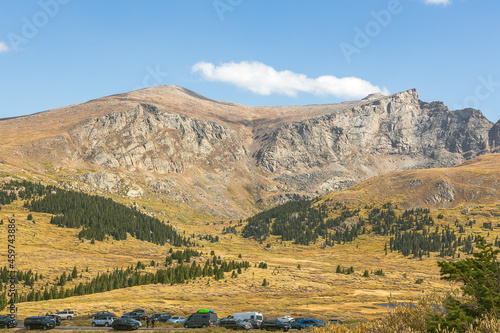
{"x":232,"y":160}
{"x":476,"y":182}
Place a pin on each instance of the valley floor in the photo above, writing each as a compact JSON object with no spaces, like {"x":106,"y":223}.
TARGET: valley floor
{"x":302,"y":279}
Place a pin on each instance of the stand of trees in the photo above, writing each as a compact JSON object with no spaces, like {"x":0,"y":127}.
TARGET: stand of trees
{"x":28,"y":278}
{"x":303,"y":223}
{"x":98,"y":217}
{"x":130,"y":277}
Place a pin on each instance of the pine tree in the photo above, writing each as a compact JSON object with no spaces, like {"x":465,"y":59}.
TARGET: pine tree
{"x":3,"y":301}
{"x":62,"y":279}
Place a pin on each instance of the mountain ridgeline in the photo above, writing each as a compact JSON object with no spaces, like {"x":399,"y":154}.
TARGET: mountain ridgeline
{"x":231,"y":160}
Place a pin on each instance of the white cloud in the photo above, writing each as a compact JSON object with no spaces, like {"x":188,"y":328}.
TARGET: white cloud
{"x":265,"y":80}
{"x":437,"y":2}
{"x":4,"y":47}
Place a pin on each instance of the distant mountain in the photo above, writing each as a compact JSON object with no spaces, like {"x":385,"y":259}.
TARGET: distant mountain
{"x":232,"y":160}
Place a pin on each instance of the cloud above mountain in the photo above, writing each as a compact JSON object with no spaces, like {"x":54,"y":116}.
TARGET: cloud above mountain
{"x":4,"y":47}
{"x":265,"y":80}
{"x":437,"y":2}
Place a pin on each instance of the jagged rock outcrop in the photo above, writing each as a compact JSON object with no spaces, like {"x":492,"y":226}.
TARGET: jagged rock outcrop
{"x":229,"y":159}
{"x":443,"y":192}
{"x":147,"y":138}
{"x":389,"y":133}
{"x":494,"y":138}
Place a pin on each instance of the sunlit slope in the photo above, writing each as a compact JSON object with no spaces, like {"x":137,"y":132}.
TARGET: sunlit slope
{"x":476,"y":181}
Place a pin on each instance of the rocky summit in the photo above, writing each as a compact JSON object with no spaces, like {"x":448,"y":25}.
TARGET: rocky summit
{"x":231,"y":160}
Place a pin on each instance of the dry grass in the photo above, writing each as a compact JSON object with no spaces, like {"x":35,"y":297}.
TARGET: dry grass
{"x":313,"y":290}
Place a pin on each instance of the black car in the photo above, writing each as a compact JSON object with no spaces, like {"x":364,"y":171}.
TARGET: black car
{"x":335,"y":321}
{"x":56,"y":318}
{"x":202,"y":320}
{"x":135,"y":315}
{"x":102,"y":314}
{"x":254,"y":322}
{"x":7,"y":322}
{"x":125,"y":324}
{"x":160,"y":317}
{"x":275,"y":325}
{"x":235,"y":324}
{"x":144,"y":312}
{"x":43,"y":322}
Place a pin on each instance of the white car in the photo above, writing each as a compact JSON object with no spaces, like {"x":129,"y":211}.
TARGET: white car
{"x":66,"y":314}
{"x":285,"y":319}
{"x":177,"y":320}
{"x":102,"y":321}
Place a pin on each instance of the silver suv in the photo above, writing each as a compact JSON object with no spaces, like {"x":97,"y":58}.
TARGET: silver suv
{"x":105,"y":321}
{"x":66,"y":314}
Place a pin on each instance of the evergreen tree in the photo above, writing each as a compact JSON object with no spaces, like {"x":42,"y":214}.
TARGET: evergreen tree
{"x":3,"y":301}
{"x":480,"y":277}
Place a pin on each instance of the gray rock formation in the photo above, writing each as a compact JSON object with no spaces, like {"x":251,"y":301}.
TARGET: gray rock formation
{"x":230,"y":160}
{"x":494,"y":138}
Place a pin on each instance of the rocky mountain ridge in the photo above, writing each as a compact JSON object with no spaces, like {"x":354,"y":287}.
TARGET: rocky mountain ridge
{"x":231,"y":160}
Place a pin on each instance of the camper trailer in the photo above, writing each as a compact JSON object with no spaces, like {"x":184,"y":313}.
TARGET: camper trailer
{"x":254,"y":316}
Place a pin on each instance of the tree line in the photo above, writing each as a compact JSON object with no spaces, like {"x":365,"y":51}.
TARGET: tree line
{"x":98,"y":217}
{"x":130,"y":277}
{"x":303,"y":223}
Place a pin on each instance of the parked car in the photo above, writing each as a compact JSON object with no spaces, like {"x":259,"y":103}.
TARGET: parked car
{"x":177,"y":320}
{"x":144,"y":312}
{"x":255,"y":323}
{"x":43,"y":322}
{"x":294,"y":321}
{"x":101,"y":314}
{"x":204,"y":319}
{"x":285,"y":319}
{"x":135,"y":315}
{"x":7,"y":322}
{"x":305,"y":323}
{"x":160,"y":317}
{"x":235,"y":324}
{"x":105,"y":321}
{"x":66,"y":314}
{"x":56,"y":318}
{"x":125,"y":324}
{"x":275,"y":325}
{"x":335,"y":321}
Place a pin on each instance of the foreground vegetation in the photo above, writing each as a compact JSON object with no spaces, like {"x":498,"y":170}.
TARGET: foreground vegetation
{"x":475,"y":309}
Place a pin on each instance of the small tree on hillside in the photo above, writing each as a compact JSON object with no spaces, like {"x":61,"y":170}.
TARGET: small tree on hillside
{"x":480,"y":277}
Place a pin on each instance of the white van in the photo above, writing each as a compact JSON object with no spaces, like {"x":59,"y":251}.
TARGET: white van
{"x":257,"y":316}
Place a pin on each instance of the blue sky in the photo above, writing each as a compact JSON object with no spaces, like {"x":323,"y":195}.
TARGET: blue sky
{"x":55,"y":53}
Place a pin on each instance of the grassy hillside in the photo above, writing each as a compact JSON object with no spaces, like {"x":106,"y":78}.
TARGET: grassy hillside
{"x":303,"y":279}
{"x":473,"y":182}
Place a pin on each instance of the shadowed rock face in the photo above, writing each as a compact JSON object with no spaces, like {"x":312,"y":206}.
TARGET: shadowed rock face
{"x":230,"y":159}
{"x":494,"y":136}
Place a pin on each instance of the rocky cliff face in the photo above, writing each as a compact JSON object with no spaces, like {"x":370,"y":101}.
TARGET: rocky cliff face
{"x":386,"y":134}
{"x":494,"y":138}
{"x":230,"y":160}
